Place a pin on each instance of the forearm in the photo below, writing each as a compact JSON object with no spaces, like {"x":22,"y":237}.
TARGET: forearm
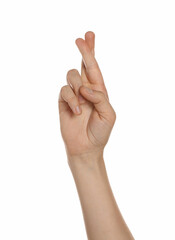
{"x":102,"y":217}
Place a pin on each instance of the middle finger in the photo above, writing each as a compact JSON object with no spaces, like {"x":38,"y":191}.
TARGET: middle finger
{"x":92,"y":69}
{"x":90,"y":40}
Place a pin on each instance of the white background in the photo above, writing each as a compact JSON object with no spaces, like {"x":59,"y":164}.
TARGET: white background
{"x":135,"y":48}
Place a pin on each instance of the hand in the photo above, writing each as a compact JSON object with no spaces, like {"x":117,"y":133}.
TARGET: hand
{"x":86,"y":115}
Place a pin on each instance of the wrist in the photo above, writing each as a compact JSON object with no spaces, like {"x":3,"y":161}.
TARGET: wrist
{"x":86,"y":160}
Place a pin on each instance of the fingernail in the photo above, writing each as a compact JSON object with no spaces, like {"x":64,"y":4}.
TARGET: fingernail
{"x":77,"y":110}
{"x":88,"y":90}
{"x":81,"y":99}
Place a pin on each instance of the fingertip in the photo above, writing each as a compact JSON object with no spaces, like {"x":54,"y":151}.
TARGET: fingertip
{"x":76,"y":40}
{"x":89,"y":34}
{"x":79,"y":41}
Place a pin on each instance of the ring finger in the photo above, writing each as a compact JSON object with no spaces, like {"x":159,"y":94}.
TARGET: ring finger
{"x":68,"y":96}
{"x":75,"y":82}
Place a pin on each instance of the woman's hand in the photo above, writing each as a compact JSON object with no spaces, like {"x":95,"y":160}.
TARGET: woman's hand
{"x":86,"y":121}
{"x":86,"y":116}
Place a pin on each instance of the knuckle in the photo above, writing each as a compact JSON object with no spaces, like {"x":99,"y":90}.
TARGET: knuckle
{"x":64,"y":89}
{"x":101,"y":95}
{"x":72,"y":72}
{"x":114,"y":116}
{"x":72,"y":99}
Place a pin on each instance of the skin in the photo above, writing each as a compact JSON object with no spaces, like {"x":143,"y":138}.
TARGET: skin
{"x":86,"y":121}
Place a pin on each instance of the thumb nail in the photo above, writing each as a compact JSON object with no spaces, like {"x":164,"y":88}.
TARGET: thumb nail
{"x":89,"y":90}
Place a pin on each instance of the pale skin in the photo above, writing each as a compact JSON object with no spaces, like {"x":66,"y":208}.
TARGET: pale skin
{"x":86,"y":121}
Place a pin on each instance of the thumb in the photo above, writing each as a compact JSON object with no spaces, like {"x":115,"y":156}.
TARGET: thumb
{"x":101,"y":103}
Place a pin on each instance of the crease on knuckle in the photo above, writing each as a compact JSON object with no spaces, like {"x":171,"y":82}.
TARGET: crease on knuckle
{"x":64,"y":89}
{"x":102,"y":96}
{"x":72,"y":98}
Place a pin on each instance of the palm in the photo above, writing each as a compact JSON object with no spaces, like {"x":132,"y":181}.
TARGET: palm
{"x":86,"y":131}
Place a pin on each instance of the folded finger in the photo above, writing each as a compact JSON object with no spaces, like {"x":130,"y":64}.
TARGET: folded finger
{"x":68,"y":96}
{"x":75,"y":81}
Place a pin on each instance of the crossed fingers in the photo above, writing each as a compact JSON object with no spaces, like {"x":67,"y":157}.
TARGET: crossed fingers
{"x":91,"y":75}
